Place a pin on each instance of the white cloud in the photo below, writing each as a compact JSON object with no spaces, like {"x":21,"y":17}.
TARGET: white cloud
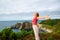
{"x":17,"y":6}
{"x":9,"y":8}
{"x":14,"y":6}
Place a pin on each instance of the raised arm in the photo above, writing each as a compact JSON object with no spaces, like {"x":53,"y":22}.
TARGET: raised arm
{"x":43,"y":17}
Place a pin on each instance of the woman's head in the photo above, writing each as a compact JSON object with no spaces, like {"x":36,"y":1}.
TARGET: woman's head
{"x":36,"y":14}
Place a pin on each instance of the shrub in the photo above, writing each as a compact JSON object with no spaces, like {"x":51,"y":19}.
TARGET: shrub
{"x":6,"y":34}
{"x":21,"y":34}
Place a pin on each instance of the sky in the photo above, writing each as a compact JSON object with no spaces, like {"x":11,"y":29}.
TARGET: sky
{"x":24,"y":9}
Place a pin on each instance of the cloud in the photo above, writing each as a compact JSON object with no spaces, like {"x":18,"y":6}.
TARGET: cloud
{"x":23,"y":9}
{"x":17,"y":6}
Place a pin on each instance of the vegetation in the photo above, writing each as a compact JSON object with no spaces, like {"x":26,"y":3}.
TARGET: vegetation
{"x":8,"y":34}
{"x":51,"y":22}
{"x":54,"y":24}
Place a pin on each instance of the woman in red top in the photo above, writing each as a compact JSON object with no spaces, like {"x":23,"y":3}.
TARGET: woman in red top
{"x":34,"y":24}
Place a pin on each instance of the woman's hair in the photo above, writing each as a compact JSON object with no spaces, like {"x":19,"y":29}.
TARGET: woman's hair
{"x":37,"y":14}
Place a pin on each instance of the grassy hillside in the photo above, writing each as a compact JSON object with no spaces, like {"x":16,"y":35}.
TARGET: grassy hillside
{"x":51,"y":22}
{"x":8,"y":34}
{"x":54,"y":24}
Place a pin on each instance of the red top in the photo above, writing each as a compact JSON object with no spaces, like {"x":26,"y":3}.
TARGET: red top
{"x":34,"y":21}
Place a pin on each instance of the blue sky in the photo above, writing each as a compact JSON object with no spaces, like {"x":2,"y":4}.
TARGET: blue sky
{"x":24,"y":9}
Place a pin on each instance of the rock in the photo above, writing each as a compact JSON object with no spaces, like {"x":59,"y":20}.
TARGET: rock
{"x":16,"y":26}
{"x":27,"y":26}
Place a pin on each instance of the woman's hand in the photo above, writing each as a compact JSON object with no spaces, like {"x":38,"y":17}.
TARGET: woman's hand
{"x":47,"y":17}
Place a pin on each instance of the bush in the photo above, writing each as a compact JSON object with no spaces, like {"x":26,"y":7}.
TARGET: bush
{"x":21,"y":34}
{"x":50,"y":22}
{"x":6,"y":34}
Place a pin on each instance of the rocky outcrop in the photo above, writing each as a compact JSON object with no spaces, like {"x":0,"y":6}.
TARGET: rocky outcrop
{"x":25,"y":25}
{"x":16,"y":26}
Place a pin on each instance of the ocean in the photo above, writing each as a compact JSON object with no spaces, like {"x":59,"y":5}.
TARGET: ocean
{"x":8,"y":24}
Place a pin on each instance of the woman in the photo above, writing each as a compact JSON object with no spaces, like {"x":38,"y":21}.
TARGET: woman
{"x":34,"y":24}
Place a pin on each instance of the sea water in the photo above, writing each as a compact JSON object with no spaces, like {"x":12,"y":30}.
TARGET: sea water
{"x":8,"y":24}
